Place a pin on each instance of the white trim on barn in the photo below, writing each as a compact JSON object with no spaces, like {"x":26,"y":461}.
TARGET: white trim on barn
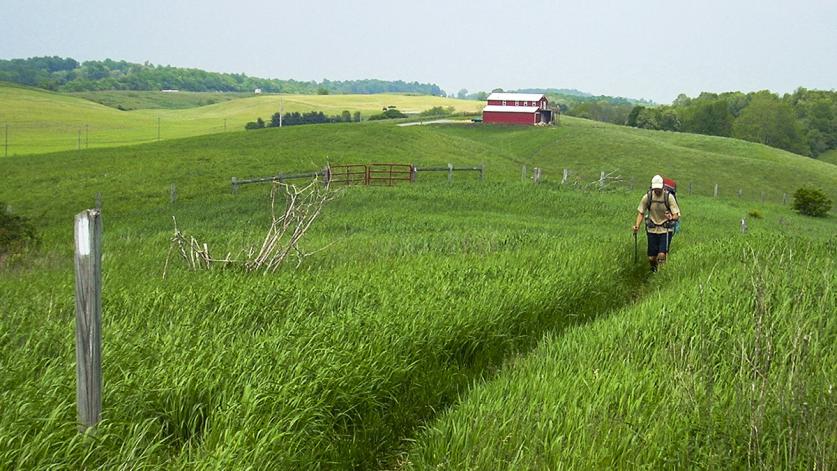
{"x":516,"y":96}
{"x":511,"y":109}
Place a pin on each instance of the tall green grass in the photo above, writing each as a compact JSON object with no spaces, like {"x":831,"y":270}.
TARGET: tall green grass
{"x":428,"y":291}
{"x":731,"y":364}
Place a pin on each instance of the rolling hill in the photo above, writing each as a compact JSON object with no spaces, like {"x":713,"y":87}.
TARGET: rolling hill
{"x":400,"y":344}
{"x":40,"y":121}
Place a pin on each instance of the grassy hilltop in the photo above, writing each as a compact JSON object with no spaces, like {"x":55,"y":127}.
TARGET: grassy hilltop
{"x":478,"y":325}
{"x":40,"y":121}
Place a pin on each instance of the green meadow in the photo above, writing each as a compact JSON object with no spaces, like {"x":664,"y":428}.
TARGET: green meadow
{"x":491,"y":324}
{"x":40,"y":121}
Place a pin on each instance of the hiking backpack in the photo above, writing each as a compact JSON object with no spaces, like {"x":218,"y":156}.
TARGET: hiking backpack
{"x":669,"y":188}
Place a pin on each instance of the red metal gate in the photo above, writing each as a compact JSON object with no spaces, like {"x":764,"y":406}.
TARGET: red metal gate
{"x":346,"y":174}
{"x":371,"y":174}
{"x":388,"y":174}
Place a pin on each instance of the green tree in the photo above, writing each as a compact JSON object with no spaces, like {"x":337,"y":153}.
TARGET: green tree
{"x":708,"y":115}
{"x":632,"y":116}
{"x":811,"y":202}
{"x":769,"y":121}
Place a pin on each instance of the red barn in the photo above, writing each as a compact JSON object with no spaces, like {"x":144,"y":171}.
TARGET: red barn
{"x":517,"y":108}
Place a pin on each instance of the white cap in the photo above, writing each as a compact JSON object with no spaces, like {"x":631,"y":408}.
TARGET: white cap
{"x":657,"y":182}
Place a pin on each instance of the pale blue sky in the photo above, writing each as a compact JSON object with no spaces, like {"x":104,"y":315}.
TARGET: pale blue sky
{"x":643,"y":48}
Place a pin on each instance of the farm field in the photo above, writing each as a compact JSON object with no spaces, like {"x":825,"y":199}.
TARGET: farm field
{"x":482,"y":324}
{"x":140,"y":99}
{"x":40,"y":121}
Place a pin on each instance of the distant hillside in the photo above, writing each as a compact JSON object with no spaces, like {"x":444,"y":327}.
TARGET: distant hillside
{"x":41,"y":121}
{"x":68,"y":75}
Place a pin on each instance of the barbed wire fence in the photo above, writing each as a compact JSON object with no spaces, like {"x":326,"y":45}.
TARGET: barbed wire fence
{"x":31,"y":137}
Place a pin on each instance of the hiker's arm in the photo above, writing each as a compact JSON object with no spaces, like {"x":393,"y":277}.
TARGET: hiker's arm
{"x":639,"y":218}
{"x":674,"y":213}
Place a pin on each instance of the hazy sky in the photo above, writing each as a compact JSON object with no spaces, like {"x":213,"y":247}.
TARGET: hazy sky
{"x":642,"y":48}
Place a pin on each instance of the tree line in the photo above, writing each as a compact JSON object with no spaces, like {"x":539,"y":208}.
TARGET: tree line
{"x":310,"y":117}
{"x":69,"y":75}
{"x":803,"y":122}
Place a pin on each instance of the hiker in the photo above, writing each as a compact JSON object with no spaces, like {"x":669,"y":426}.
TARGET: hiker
{"x":662,"y":214}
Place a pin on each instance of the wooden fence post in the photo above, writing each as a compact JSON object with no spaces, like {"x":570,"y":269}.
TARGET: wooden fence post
{"x":413,"y":173}
{"x":234,"y":185}
{"x":88,"y":268}
{"x":523,"y":174}
{"x":715,"y":195}
{"x":601,"y":180}
{"x":566,"y":175}
{"x":536,"y":175}
{"x":450,"y":173}
{"x":739,"y":192}
{"x":98,"y":201}
{"x":743,"y":226}
{"x":690,"y":188}
{"x":173,"y":193}
{"x":327,"y":175}
{"x":784,"y":198}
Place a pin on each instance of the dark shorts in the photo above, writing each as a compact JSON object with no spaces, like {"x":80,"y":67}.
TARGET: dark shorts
{"x":658,"y":243}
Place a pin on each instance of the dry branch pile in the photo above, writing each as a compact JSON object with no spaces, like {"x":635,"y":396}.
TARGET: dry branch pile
{"x":303,"y":205}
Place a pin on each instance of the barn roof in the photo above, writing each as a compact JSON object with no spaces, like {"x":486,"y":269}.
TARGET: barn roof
{"x":516,"y":96}
{"x":511,"y":109}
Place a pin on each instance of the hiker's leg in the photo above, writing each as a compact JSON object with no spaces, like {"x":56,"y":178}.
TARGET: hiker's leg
{"x":663,"y":248}
{"x":653,"y":250}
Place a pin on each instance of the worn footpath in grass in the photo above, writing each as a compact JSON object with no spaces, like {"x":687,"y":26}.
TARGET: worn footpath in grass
{"x":731,"y":364}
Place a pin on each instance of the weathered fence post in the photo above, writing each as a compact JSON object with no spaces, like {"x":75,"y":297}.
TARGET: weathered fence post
{"x":450,"y":173}
{"x":536,"y":175}
{"x":743,"y":226}
{"x":523,"y":174}
{"x":234,"y":185}
{"x":566,"y":175}
{"x":88,"y":268}
{"x":327,"y":175}
{"x":482,"y":171}
{"x":98,"y":201}
{"x":690,"y":188}
{"x":413,"y":173}
{"x":784,"y":198}
{"x":739,"y":192}
{"x":173,"y":193}
{"x":601,"y":181}
{"x":715,"y":195}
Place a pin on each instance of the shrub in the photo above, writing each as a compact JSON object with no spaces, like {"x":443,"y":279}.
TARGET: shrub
{"x":16,"y":233}
{"x":390,"y":113}
{"x":811,"y":202}
{"x":755,"y":214}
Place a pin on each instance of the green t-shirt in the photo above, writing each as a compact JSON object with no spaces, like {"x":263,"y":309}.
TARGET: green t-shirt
{"x":656,"y":211}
